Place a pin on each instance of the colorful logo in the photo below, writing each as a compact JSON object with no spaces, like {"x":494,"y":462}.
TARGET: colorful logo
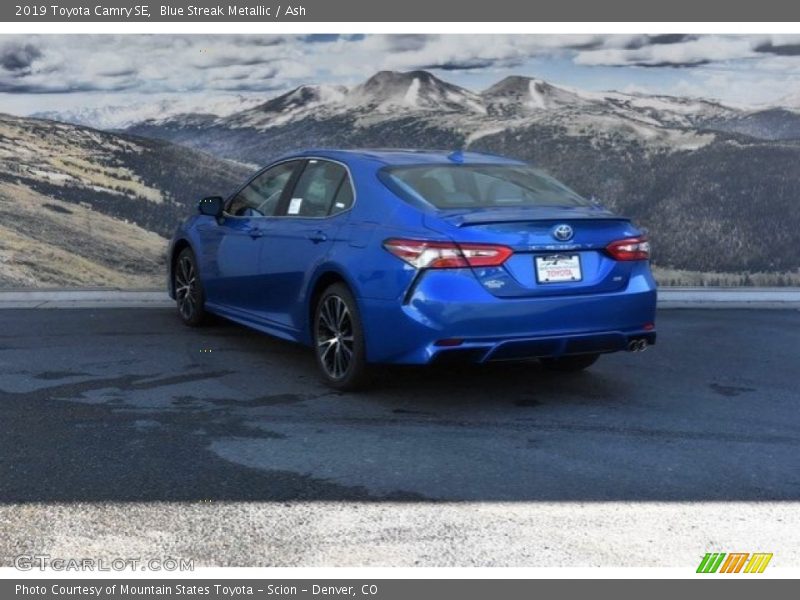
{"x":734,"y":562}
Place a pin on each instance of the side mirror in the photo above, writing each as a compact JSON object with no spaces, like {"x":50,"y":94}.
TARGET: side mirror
{"x":211,"y":206}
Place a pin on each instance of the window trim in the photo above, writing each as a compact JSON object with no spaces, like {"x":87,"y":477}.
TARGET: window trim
{"x":285,"y":204}
{"x":290,"y":186}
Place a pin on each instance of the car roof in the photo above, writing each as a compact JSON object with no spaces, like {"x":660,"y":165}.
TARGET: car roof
{"x":399,"y":157}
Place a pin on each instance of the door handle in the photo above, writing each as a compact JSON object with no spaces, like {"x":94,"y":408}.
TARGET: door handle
{"x":318,"y":237}
{"x":255,"y":232}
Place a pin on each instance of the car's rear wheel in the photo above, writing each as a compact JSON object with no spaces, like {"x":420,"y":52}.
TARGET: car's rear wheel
{"x":339,"y":339}
{"x":567,"y":364}
{"x":188,"y":288}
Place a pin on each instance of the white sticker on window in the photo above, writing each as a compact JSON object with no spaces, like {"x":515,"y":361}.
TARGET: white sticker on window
{"x":294,"y":206}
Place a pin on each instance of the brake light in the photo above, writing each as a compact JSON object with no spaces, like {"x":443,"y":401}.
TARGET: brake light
{"x":449,"y":342}
{"x":637,"y":248}
{"x":425,"y":254}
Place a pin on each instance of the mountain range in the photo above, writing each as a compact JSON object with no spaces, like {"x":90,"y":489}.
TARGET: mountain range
{"x":121,"y":115}
{"x":715,"y":185}
{"x":82,"y":207}
{"x":509,"y":102}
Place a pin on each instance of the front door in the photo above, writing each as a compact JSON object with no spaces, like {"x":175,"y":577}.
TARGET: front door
{"x":236,"y":278}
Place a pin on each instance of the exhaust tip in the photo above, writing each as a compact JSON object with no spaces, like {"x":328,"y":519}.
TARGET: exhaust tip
{"x":639,"y":345}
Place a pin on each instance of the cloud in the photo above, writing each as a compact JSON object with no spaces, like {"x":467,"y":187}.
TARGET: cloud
{"x":412,"y":52}
{"x":682,"y":50}
{"x":779,"y":49}
{"x":671,"y":63}
{"x":320,"y":38}
{"x":263,"y":64}
{"x":167,"y":64}
{"x":267,"y":40}
{"x":122,"y":72}
{"x":147,"y":63}
{"x":492,"y":52}
{"x":671,"y":51}
{"x":655,"y":40}
{"x":464,"y":65}
{"x":408,"y":42}
{"x":18,"y":57}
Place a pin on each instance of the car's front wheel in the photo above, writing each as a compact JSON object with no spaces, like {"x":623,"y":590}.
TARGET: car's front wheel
{"x":568,"y":364}
{"x":188,"y":288}
{"x":339,"y":339}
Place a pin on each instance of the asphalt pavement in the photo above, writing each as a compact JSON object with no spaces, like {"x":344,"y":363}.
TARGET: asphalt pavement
{"x":122,"y":433}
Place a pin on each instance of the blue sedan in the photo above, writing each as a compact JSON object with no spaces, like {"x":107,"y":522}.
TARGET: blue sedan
{"x":416,"y":257}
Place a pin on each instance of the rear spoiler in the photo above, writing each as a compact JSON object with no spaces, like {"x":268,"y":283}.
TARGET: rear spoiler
{"x":468,"y":219}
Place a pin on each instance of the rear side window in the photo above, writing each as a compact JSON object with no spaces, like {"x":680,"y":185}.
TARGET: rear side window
{"x":480,"y":186}
{"x":323,"y":189}
{"x":344,"y":197}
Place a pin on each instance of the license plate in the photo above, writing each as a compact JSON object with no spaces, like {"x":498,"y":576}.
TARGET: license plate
{"x":558,"y":268}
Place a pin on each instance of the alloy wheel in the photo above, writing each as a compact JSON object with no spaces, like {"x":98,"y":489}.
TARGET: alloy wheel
{"x":186,"y":287}
{"x":335,"y":341}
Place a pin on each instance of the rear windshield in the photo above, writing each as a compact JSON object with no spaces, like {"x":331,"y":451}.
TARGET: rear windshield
{"x":480,"y":186}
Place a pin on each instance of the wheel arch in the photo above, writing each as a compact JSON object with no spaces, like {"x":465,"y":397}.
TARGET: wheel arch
{"x":325,"y":278}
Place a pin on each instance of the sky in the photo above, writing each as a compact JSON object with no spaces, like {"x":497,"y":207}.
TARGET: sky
{"x":56,"y":73}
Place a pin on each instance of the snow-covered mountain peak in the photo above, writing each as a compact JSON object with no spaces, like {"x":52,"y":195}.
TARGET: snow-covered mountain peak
{"x":304,"y":96}
{"x":413,"y":90}
{"x":531,"y":94}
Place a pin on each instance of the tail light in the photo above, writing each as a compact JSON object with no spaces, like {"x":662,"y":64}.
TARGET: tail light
{"x":637,"y":248}
{"x":424,"y":254}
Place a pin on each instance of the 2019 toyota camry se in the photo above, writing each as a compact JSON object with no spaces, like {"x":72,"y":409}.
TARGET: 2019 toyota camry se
{"x":416,"y":257}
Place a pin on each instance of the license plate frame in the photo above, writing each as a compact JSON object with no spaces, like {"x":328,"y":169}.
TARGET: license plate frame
{"x":558,"y":268}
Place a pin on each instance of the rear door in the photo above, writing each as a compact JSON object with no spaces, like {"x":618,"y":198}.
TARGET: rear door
{"x":311,"y":216}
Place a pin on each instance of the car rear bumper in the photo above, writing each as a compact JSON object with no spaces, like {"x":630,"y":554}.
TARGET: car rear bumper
{"x":450,"y":316}
{"x":516,"y":349}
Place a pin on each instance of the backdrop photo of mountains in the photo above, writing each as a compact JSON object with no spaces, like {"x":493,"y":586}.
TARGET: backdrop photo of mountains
{"x":89,"y":196}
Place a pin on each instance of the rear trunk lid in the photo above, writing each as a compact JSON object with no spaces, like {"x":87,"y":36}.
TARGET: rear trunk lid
{"x":544,"y":263}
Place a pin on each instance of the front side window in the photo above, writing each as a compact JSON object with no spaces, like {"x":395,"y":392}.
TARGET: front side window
{"x":261,"y":196}
{"x":323,"y":189}
{"x":480,"y":186}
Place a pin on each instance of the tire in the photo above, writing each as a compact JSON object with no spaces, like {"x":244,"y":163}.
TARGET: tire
{"x":570,"y":364}
{"x":338,"y":337}
{"x":189,"y":296}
